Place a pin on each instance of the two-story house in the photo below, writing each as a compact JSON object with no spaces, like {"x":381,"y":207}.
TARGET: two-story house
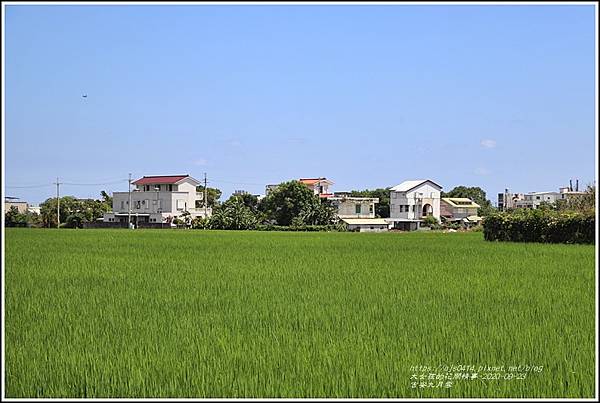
{"x":413,"y":200}
{"x":158,"y":199}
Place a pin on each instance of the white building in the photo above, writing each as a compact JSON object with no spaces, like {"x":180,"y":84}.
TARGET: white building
{"x":533,"y":200}
{"x":366,"y":224}
{"x":158,"y":199}
{"x":413,"y":200}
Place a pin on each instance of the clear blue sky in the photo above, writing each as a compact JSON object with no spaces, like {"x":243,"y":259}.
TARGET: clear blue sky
{"x":367,"y":96}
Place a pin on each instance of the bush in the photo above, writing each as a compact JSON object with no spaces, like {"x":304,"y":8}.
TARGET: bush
{"x":540,"y":226}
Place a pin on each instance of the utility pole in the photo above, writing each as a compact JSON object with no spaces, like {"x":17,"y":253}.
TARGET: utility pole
{"x":57,"y":203}
{"x":129,"y":205}
{"x":205,"y":197}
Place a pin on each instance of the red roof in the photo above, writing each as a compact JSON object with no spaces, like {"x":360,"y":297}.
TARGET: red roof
{"x":325,"y":195}
{"x":311,"y":181}
{"x":151,"y":180}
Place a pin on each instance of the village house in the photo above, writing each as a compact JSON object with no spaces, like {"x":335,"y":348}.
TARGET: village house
{"x":411,"y":201}
{"x":21,"y":206}
{"x":533,"y":200}
{"x":459,"y":209}
{"x":159,"y":199}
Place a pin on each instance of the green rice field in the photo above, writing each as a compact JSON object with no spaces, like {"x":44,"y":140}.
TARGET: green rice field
{"x":192,"y":313}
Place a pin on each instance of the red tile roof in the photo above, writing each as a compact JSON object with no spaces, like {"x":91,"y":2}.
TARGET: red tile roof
{"x":311,"y":181}
{"x":168,"y":179}
{"x":325,"y":195}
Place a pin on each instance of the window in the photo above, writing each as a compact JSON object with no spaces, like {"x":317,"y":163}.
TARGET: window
{"x":147,"y":203}
{"x":537,"y":197}
{"x":180,"y":204}
{"x":138,"y":204}
{"x":358,"y":208}
{"x":413,"y":208}
{"x":370,"y":208}
{"x":170,"y":188}
{"x":122,"y":205}
{"x":147,"y":188}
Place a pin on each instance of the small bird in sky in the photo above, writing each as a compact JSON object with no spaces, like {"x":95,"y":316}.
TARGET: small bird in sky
{"x":84,"y":95}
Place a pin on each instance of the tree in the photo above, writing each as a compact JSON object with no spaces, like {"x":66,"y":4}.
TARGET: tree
{"x":382,"y":209}
{"x":212,"y":195}
{"x":294,"y":203}
{"x":106,"y":198}
{"x":12,"y":218}
{"x":233,"y":215}
{"x":74,"y":212}
{"x":583,"y":203}
{"x":474,"y":193}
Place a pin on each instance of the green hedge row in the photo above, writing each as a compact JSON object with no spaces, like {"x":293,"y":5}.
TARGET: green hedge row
{"x":540,"y":226}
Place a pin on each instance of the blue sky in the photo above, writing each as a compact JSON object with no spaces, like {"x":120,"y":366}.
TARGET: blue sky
{"x":367,"y":96}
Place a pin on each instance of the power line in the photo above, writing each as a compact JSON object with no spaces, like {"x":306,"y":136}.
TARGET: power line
{"x":30,"y":186}
{"x":67,"y":183}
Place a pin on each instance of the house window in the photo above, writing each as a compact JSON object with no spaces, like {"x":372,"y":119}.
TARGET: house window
{"x":147,"y":188}
{"x":537,"y":197}
{"x":147,"y":203}
{"x":180,"y":204}
{"x":170,"y":188}
{"x":413,"y":208}
{"x":370,"y":208}
{"x":358,"y":208}
{"x":122,"y":205}
{"x":138,"y":204}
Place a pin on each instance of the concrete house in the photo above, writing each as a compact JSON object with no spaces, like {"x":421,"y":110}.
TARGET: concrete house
{"x":413,"y":200}
{"x":461,"y":209}
{"x":353,"y":207}
{"x":158,"y":199}
{"x":21,"y":206}
{"x":533,"y":200}
{"x":320,"y":186}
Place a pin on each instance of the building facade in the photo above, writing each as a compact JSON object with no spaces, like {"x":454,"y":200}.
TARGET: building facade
{"x":533,"y":200}
{"x":411,"y":201}
{"x":159,"y":199}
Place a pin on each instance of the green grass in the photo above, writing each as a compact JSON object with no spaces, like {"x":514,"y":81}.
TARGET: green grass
{"x":161,"y":313}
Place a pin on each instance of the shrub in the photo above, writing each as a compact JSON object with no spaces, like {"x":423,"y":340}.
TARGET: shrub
{"x":540,"y":226}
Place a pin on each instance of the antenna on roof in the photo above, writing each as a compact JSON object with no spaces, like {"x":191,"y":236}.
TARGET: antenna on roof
{"x":570,"y":185}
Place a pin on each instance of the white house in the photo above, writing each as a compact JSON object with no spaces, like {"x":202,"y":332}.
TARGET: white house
{"x":158,"y":199}
{"x":413,"y":200}
{"x":366,"y":224}
{"x":320,"y":186}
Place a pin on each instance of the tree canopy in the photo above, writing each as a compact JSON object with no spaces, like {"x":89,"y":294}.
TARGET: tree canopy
{"x":293,"y":203}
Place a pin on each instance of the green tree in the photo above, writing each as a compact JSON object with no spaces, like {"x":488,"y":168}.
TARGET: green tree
{"x":382,"y":209}
{"x":582,"y":203}
{"x":294,"y":203}
{"x":12,"y":218}
{"x":212,"y":195}
{"x":474,"y":193}
{"x":73,"y":212}
{"x":233,"y":215}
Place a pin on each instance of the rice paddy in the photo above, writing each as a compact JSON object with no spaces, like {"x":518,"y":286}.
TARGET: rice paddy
{"x":175,"y":313}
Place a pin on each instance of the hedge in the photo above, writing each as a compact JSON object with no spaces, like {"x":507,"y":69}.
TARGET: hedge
{"x":540,"y":226}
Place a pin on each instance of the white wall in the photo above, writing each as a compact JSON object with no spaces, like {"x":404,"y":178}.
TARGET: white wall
{"x":428,"y":195}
